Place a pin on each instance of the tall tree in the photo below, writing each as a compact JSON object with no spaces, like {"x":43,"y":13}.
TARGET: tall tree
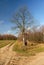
{"x":22,"y":20}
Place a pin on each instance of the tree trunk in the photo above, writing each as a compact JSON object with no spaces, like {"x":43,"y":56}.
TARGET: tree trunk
{"x":24,"y":41}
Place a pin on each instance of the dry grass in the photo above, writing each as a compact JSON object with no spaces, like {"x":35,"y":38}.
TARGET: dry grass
{"x":29,"y":50}
{"x":5,"y":42}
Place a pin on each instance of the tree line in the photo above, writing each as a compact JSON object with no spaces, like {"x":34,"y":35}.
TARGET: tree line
{"x":7,"y":37}
{"x":35,"y":35}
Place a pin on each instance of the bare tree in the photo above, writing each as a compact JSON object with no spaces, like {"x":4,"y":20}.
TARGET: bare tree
{"x":22,"y":20}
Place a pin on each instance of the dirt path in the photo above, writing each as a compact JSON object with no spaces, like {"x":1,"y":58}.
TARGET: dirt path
{"x":8,"y":57}
{"x":39,"y":59}
{"x":6,"y":53}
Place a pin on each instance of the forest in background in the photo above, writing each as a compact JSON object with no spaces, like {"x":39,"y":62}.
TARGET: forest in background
{"x":35,"y":34}
{"x":7,"y":37}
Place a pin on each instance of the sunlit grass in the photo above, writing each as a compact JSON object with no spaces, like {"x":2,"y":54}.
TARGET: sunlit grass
{"x":23,"y":50}
{"x":28,"y":50}
{"x":5,"y":42}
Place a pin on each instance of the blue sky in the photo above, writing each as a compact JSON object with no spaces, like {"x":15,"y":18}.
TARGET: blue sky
{"x":8,"y":7}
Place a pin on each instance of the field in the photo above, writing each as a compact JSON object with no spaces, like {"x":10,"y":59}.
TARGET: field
{"x":23,"y":50}
{"x":12,"y":52}
{"x":28,"y":50}
{"x":5,"y":42}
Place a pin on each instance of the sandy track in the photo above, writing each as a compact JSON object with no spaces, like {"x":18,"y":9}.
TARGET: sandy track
{"x":8,"y":57}
{"x":6,"y":54}
{"x":39,"y":59}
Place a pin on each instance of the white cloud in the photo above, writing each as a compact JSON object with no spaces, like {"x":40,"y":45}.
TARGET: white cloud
{"x":11,"y":32}
{"x":8,"y":32}
{"x":28,"y":28}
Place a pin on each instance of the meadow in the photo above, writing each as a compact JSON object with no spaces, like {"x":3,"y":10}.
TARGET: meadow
{"x":29,"y":50}
{"x":18,"y":47}
{"x":5,"y":42}
{"x":23,"y":50}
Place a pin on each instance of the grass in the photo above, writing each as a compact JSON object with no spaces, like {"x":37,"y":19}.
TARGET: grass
{"x":5,"y":42}
{"x":23,"y":50}
{"x":28,"y":50}
{"x":39,"y":49}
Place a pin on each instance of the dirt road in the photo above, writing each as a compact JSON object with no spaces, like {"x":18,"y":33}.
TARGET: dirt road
{"x":39,"y":59}
{"x":6,"y":54}
{"x":8,"y":57}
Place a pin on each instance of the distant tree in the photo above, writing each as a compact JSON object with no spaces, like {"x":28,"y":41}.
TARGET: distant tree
{"x":42,"y":31}
{"x":7,"y":37}
{"x":22,"y":20}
